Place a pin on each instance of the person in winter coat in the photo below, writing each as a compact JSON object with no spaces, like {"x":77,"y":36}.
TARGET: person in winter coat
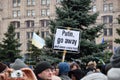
{"x":64,"y":68}
{"x":43,"y":71}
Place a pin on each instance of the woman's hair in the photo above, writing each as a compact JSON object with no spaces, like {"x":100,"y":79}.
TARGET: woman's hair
{"x":74,"y":64}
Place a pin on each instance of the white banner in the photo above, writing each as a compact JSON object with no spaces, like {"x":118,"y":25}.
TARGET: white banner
{"x":66,"y":39}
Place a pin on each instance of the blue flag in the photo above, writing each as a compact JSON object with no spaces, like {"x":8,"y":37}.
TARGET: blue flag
{"x":103,"y":40}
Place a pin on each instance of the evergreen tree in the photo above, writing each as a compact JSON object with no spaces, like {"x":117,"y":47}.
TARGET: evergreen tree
{"x":33,"y":52}
{"x":10,"y":46}
{"x":76,"y":14}
{"x":117,"y":40}
{"x":36,"y":54}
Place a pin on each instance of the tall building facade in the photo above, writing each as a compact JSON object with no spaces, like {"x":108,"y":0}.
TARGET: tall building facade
{"x":30,"y":16}
{"x":27,"y":16}
{"x":109,"y":11}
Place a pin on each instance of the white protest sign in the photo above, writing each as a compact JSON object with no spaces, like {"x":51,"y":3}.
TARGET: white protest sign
{"x":66,"y":39}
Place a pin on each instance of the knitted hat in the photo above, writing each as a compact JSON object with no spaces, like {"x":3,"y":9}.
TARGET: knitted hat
{"x":18,"y":64}
{"x":115,"y":59}
{"x":64,"y":68}
{"x":2,"y":67}
{"x":95,"y":76}
{"x":41,"y":66}
{"x":114,"y":74}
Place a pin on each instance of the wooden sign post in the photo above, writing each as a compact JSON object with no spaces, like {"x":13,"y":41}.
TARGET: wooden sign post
{"x":63,"y":57}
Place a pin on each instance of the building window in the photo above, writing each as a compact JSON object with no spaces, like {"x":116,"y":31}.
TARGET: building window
{"x":105,"y":7}
{"x":30,"y":13}
{"x":108,"y":31}
{"x":94,"y":8}
{"x":30,"y":2}
{"x":45,"y":2}
{"x":33,"y":2}
{"x":17,"y":35}
{"x":45,"y":12}
{"x":105,"y":31}
{"x":16,"y":3}
{"x":29,"y":35}
{"x":104,"y":19}
{"x":111,"y":6}
{"x":110,"y":19}
{"x":16,"y":24}
{"x":107,"y":19}
{"x":30,"y":23}
{"x":42,"y":34}
{"x":47,"y":33}
{"x":16,"y":13}
{"x":108,"y":7}
{"x":44,"y":23}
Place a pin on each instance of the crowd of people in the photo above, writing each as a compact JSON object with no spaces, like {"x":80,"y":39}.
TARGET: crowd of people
{"x":62,"y":71}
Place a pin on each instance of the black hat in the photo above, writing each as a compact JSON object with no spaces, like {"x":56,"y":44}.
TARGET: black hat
{"x":78,"y":74}
{"x":2,"y":67}
{"x":41,"y":66}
